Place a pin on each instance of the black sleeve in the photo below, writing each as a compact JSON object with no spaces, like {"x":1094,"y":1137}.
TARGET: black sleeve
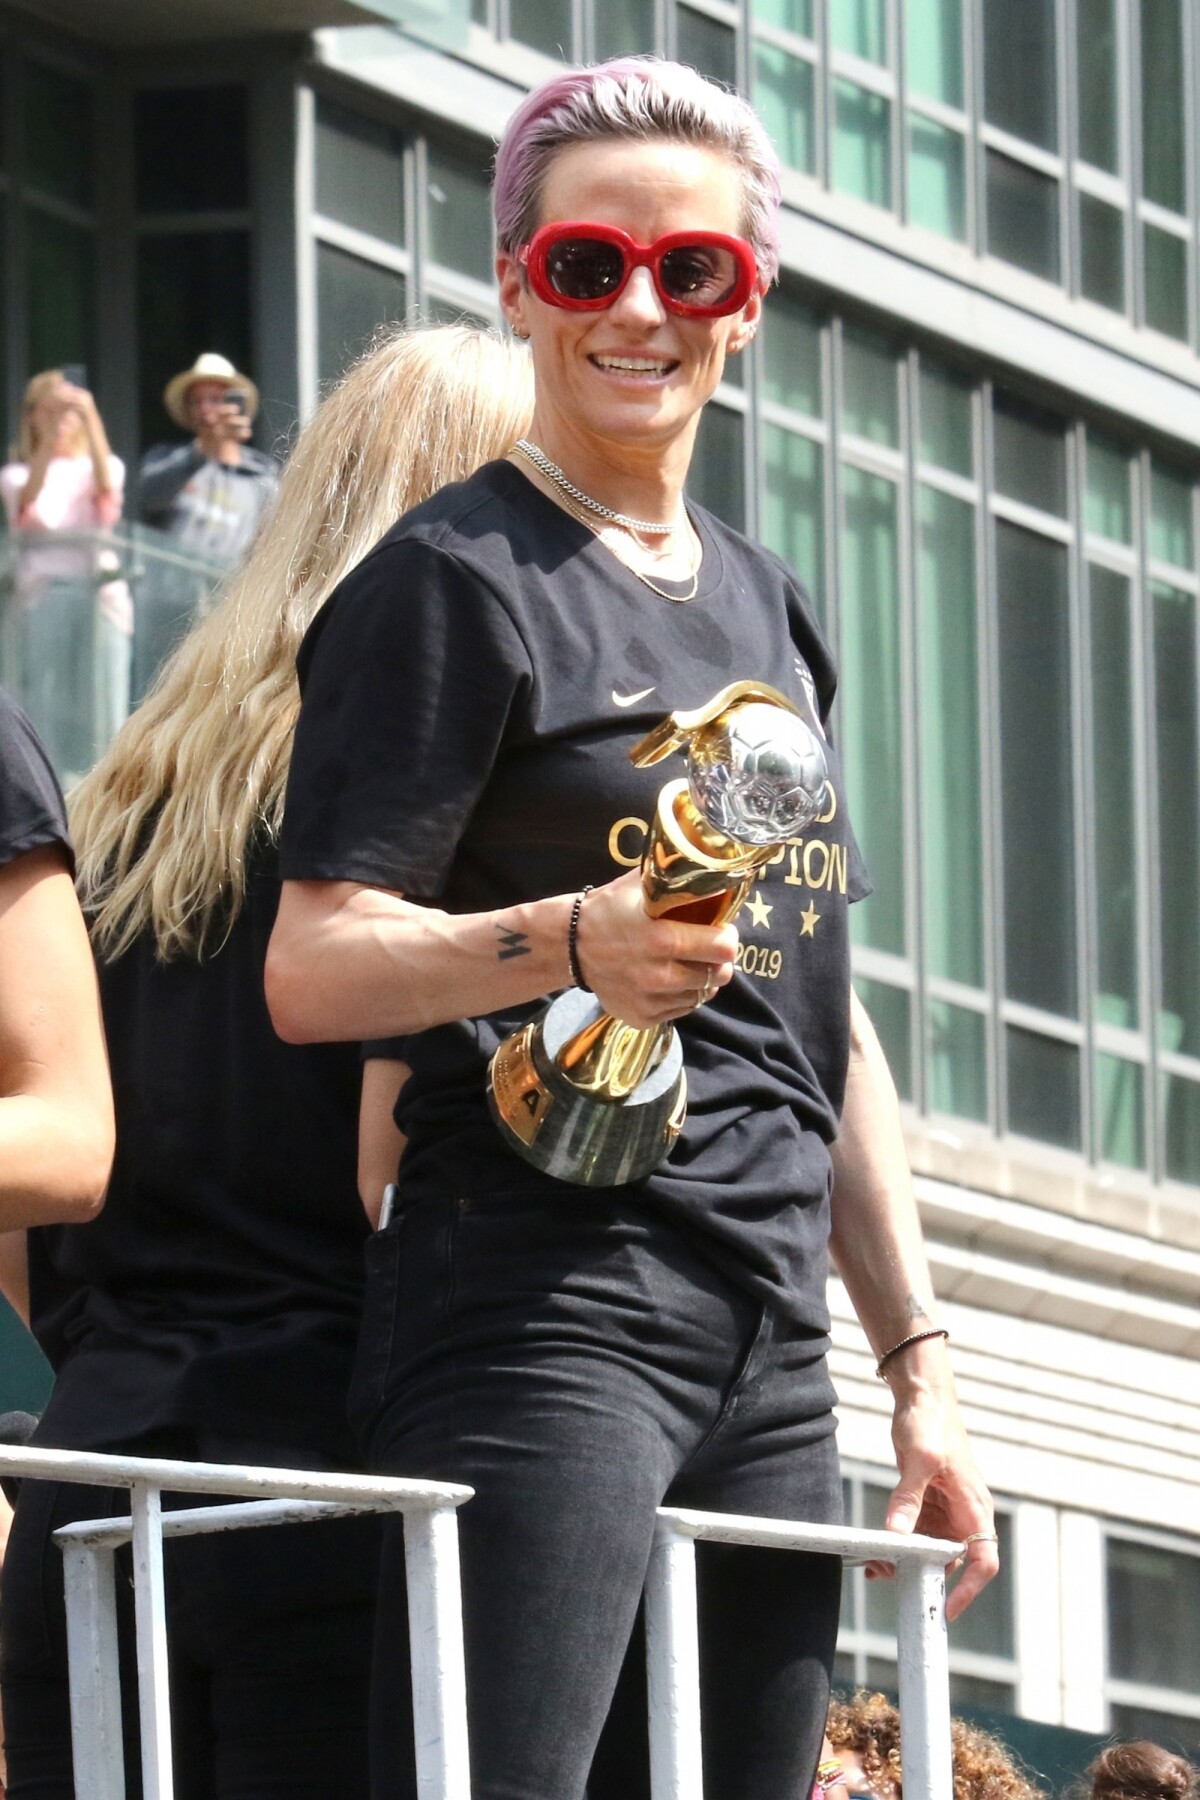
{"x":412,"y":676}
{"x":32,"y":813}
{"x":165,"y":469}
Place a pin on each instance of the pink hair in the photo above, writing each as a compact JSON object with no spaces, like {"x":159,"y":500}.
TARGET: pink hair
{"x":640,"y":97}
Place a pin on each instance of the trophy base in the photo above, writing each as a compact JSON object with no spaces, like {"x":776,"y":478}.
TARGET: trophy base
{"x":572,"y":1135}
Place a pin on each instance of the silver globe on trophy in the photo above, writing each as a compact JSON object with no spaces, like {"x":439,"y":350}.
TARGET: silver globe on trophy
{"x":577,"y":1092}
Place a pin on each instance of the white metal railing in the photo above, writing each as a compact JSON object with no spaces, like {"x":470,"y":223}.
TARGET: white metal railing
{"x":267,"y":1497}
{"x":672,"y":1646}
{"x":287,"y":1496}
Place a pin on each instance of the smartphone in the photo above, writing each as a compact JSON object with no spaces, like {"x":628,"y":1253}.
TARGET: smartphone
{"x":75,"y":374}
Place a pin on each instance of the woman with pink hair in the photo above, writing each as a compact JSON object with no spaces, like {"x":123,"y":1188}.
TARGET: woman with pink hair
{"x":462,"y":827}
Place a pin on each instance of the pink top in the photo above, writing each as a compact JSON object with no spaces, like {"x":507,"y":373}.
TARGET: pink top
{"x":68,"y":500}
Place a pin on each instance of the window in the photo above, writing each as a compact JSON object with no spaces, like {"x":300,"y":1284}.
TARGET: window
{"x":1152,"y":1591}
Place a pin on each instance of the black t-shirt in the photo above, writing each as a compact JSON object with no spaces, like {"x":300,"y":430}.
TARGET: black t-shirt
{"x":471,"y":695}
{"x":32,"y":814}
{"x":220,"y":1287}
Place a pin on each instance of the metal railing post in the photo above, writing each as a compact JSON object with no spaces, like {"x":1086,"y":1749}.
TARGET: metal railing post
{"x":439,"y":1683}
{"x":924,"y":1671}
{"x":673,"y":1667}
{"x":98,"y":1751}
{"x":150,"y":1610}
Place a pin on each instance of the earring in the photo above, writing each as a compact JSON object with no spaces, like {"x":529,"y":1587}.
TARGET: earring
{"x":519,"y":333}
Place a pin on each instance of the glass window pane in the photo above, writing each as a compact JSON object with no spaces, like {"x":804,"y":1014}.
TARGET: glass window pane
{"x":1114,"y":876}
{"x":937,"y":180}
{"x":987,"y":1625}
{"x":1174,"y":1731}
{"x":889,"y":1008}
{"x":543,"y":24}
{"x":192,"y":288}
{"x":1165,"y":270}
{"x":791,"y":342}
{"x":793,"y":515}
{"x":623,"y":28}
{"x":974,"y":1690}
{"x":1102,"y":252}
{"x":862,"y":143}
{"x":459,"y":214}
{"x":1038,"y":813}
{"x":934,"y":46}
{"x":59,"y":134}
{"x":1181,"y":1114}
{"x":59,"y":275}
{"x":1163,"y":64}
{"x":360,"y":172}
{"x":1177,"y":732}
{"x":880,"y":1610}
{"x":870,"y":387}
{"x":783,"y":94}
{"x":191,"y":149}
{"x":1120,"y":1112}
{"x":1109,"y":509}
{"x":1153,"y":1603}
{"x":353,"y":299}
{"x":1170,"y":517}
{"x":952,"y":840}
{"x":1022,"y":213}
{"x":957,"y":1061}
{"x":860,"y":26}
{"x":947,"y":439}
{"x":1043,"y":1088}
{"x":1096,"y":55}
{"x":1031,"y":455}
{"x":793,"y":15}
{"x":705,"y":43}
{"x":1020,"y":69}
{"x":870,"y":701}
{"x":717,"y":477}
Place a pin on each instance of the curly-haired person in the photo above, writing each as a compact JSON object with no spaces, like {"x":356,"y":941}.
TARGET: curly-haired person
{"x":1141,"y":1771}
{"x":864,"y":1733}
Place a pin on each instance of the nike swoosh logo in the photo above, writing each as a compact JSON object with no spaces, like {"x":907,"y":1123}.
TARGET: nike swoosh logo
{"x":630,"y":699}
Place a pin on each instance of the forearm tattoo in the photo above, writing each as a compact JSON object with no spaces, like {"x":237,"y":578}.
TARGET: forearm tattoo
{"x":916,"y":1310}
{"x":512,"y":943}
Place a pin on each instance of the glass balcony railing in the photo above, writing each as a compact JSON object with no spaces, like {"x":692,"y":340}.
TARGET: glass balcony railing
{"x":86,"y":618}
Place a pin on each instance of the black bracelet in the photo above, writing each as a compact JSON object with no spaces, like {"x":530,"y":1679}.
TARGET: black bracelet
{"x":577,"y":975}
{"x":917,"y":1337}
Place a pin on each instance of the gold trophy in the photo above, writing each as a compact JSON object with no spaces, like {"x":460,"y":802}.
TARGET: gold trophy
{"x":577,"y":1092}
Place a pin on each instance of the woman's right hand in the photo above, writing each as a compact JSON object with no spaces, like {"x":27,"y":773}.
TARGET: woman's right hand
{"x":647,"y":971}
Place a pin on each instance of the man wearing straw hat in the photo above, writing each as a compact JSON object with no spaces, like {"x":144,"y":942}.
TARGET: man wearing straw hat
{"x":209,"y":495}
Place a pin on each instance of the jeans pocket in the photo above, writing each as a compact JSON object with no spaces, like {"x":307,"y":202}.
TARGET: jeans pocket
{"x":377,"y":1331}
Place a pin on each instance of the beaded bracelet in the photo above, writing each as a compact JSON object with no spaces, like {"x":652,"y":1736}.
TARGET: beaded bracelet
{"x":830,"y":1773}
{"x":577,"y":975}
{"x":917,"y":1337}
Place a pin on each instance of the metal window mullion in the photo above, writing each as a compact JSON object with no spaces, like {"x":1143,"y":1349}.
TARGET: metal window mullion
{"x":899,"y":61}
{"x":830,"y":356}
{"x":973,"y":101}
{"x":823,"y":94}
{"x":416,"y":190}
{"x":307,"y":320}
{"x":1150,"y":956}
{"x":910,"y":739}
{"x":1145,"y":824}
{"x":1067,"y":89}
{"x":1086,"y":937}
{"x":1188,"y":50}
{"x":991,"y":769}
{"x":1136,"y":167}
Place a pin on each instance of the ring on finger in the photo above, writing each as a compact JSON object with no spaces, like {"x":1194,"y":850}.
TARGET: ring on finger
{"x":982,"y":1537}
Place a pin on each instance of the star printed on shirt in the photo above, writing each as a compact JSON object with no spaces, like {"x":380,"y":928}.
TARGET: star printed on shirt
{"x":759,"y":911}
{"x":808,"y":921}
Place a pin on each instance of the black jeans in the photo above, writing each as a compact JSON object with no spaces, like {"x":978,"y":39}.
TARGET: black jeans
{"x":579,"y":1361}
{"x":269,"y":1634}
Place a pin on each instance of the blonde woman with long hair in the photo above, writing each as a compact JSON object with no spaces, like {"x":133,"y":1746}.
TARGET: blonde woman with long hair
{"x":212,"y":1311}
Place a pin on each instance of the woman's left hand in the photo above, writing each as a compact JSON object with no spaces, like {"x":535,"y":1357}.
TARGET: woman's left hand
{"x":940,"y":1492}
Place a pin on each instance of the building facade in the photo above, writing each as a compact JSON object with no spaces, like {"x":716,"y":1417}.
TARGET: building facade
{"x":971,"y":423}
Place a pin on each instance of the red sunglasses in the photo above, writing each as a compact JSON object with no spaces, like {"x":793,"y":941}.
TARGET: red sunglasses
{"x":701,"y":274}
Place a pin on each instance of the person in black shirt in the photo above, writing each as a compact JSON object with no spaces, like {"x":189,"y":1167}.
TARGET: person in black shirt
{"x":460,"y":777}
{"x":211,"y":1311}
{"x":56,"y":1120}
